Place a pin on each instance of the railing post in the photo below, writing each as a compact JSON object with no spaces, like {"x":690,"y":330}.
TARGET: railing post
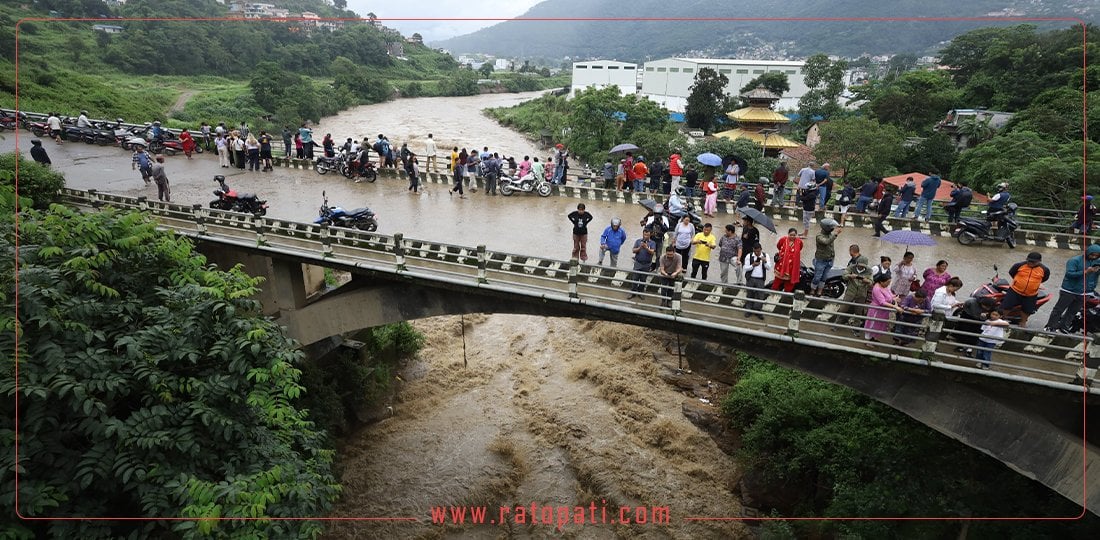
{"x":261,"y":230}
{"x":200,"y":218}
{"x":399,"y":251}
{"x":482,"y":260}
{"x":677,"y":293}
{"x":932,"y":335}
{"x":143,"y":203}
{"x":798,"y":305}
{"x":574,"y":270}
{"x":326,"y":240}
{"x":94,"y":196}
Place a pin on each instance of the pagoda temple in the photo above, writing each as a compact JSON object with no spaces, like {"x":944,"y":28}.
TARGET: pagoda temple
{"x":759,"y":123}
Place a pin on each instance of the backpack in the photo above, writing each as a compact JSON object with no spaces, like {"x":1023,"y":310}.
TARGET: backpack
{"x":377,"y":146}
{"x":966,"y":196}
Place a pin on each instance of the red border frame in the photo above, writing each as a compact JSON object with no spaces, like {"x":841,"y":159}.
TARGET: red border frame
{"x":684,"y":19}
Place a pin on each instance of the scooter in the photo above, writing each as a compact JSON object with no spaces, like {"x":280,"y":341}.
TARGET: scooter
{"x":970,"y":230}
{"x":360,"y":218}
{"x":527,"y":184}
{"x":228,"y":199}
{"x":996,"y":289}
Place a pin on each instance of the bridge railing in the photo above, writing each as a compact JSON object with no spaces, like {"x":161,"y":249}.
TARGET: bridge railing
{"x":1026,"y":355}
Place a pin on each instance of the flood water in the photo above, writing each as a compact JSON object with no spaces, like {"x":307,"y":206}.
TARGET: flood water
{"x":547,"y":411}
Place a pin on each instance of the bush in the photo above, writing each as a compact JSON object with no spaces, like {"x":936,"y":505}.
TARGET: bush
{"x":36,"y":182}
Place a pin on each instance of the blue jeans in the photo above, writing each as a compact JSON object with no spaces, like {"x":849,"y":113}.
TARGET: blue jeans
{"x":821,"y":267}
{"x":862,"y":202}
{"x":639,"y":186}
{"x":903,"y":209}
{"x":824,"y":197}
{"x":984,"y":352}
{"x":927,"y":205}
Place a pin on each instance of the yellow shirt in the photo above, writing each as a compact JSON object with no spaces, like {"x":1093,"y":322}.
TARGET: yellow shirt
{"x":702,"y":251}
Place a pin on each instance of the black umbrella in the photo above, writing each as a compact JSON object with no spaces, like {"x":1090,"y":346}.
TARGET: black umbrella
{"x":758,"y":217}
{"x":742,"y":165}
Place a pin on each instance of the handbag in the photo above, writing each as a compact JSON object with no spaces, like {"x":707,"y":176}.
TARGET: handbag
{"x":914,"y":285}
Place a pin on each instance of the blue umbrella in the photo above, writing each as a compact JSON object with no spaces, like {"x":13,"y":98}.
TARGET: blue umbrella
{"x":707,"y":158}
{"x":909,"y":238}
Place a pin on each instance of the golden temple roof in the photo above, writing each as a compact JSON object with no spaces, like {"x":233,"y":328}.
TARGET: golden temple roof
{"x":759,"y":115}
{"x":774,"y":141}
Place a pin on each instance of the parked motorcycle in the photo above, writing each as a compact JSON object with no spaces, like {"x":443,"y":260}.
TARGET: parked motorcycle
{"x":360,"y":218}
{"x":1091,"y":313}
{"x":996,"y":289}
{"x":352,"y":169}
{"x":229,"y":199}
{"x":834,"y":286}
{"x":970,"y":230}
{"x":13,"y":121}
{"x":39,"y":128}
{"x":324,"y":164}
{"x":689,"y":209}
{"x":527,"y":184}
{"x":169,"y":147}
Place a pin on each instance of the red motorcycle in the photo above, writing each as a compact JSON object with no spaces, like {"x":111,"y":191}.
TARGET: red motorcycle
{"x":351,"y":169}
{"x":996,"y":289}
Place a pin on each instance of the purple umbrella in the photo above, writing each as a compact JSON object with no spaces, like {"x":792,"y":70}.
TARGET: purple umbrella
{"x":909,"y":238}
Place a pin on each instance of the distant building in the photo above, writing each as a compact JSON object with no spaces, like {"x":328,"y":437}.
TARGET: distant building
{"x":668,"y":81}
{"x":107,"y":28}
{"x":813,"y":135}
{"x":957,"y":117}
{"x":502,"y":64}
{"x":604,"y":73}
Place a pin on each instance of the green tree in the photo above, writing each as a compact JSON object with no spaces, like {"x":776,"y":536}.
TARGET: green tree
{"x":976,"y":130}
{"x":1057,"y":113}
{"x":461,"y":83}
{"x":40,"y":184}
{"x":859,"y":145}
{"x":706,"y":100}
{"x":360,"y":82}
{"x":775,"y":81}
{"x":150,"y":385}
{"x":913,"y":101}
{"x":825,"y":82}
{"x":485,"y":70}
{"x":936,"y":151}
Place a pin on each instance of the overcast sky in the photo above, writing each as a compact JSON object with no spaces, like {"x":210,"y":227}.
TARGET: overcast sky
{"x":436,"y":30}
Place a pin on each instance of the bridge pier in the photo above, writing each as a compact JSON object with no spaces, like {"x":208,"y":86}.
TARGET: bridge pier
{"x":288,"y":285}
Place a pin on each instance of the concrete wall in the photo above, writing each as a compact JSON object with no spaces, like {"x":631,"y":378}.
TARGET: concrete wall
{"x":668,"y":81}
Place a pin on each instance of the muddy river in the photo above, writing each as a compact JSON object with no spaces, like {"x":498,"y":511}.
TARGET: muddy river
{"x":553,"y":412}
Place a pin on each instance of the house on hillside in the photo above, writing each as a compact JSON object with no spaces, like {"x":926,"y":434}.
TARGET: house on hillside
{"x":813,"y":135}
{"x":107,"y":28}
{"x":955,"y":124}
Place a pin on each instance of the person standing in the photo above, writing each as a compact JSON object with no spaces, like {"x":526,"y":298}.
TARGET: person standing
{"x":704,"y":243}
{"x":756,"y":264}
{"x":644,"y":250}
{"x":142,"y":162}
{"x":710,"y":197}
{"x":670,"y":269}
{"x":691,"y":179}
{"x":458,"y":165}
{"x":935,"y":277}
{"x":867,"y":194}
{"x":675,"y":169}
{"x":414,"y":173}
{"x":993,"y":335}
{"x":1086,"y":216}
{"x":928,"y":190}
{"x":53,"y":127}
{"x":641,"y":172}
{"x":1027,"y":276}
{"x":1081,"y":276}
{"x":608,"y":172}
{"x":729,"y":254}
{"x":265,"y":151}
{"x":824,"y":254}
{"x":288,"y":140}
{"x":204,"y":132}
{"x":780,"y":176}
{"x":240,"y":149}
{"x":733,"y":174}
{"x":612,"y":240}
{"x":914,"y":307}
{"x":157,"y":173}
{"x":299,"y":146}
{"x":306,"y":135}
{"x":38,"y":153}
{"x":905,"y":197}
{"x":809,"y":205}
{"x":883,"y":303}
{"x":538,"y":169}
{"x":580,"y":220}
{"x":904,"y":274}
{"x":187,"y":142}
{"x":857,"y":278}
{"x":252,"y":147}
{"x":844,"y":200}
{"x":788,"y":267}
{"x":429,"y":152}
{"x":824,"y":183}
{"x":806,"y":183}
{"x":883,"y":212}
{"x":221,"y":146}
{"x":684,"y":238}
{"x":961,"y":198}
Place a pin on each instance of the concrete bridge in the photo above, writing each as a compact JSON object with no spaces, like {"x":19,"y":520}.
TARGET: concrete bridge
{"x":1025,"y":412}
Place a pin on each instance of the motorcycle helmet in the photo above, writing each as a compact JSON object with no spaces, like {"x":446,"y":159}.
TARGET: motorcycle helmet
{"x":828,"y":224}
{"x":219,"y":179}
{"x":119,"y":120}
{"x":641,"y":158}
{"x":156,"y":123}
{"x":85,"y":113}
{"x":659,"y":209}
{"x":1002,"y":186}
{"x":616,"y":222}
{"x":681,"y":191}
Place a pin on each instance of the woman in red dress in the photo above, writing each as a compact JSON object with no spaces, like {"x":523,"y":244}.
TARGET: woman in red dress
{"x":187,"y":142}
{"x":790,"y":261}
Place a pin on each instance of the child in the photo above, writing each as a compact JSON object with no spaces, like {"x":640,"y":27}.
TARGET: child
{"x":913,"y":309}
{"x":993,"y":334}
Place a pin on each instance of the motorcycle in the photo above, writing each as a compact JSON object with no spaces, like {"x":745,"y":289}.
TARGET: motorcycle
{"x":689,"y":210}
{"x":970,"y":230}
{"x":229,"y":199}
{"x":527,"y":184}
{"x":834,"y":286}
{"x":70,"y":132}
{"x":360,"y":218}
{"x":324,"y":164}
{"x":1091,"y":313}
{"x":13,"y":121}
{"x":39,"y":128}
{"x":996,"y":289}
{"x":352,"y":169}
{"x":169,"y":147}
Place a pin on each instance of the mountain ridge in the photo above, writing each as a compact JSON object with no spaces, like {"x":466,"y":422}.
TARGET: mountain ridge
{"x":774,"y":39}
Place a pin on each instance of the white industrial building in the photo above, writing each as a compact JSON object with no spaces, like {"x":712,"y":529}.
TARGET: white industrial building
{"x":668,"y":81}
{"x":603,"y":73}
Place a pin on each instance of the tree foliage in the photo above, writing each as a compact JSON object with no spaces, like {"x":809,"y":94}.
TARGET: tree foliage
{"x":39,"y":184}
{"x":859,"y":145}
{"x":601,"y":118}
{"x":775,"y":81}
{"x":707,"y":99}
{"x":149,"y":385}
{"x":462,"y":83}
{"x":936,"y":151}
{"x":913,"y":101}
{"x":824,"y":79}
{"x":858,"y":457}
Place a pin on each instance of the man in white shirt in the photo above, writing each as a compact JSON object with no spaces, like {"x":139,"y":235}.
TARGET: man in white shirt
{"x":54,"y":124}
{"x":82,"y":120}
{"x":429,"y":151}
{"x":756,"y":264}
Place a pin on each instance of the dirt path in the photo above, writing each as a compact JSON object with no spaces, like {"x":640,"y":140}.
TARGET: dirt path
{"x":184,"y":97}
